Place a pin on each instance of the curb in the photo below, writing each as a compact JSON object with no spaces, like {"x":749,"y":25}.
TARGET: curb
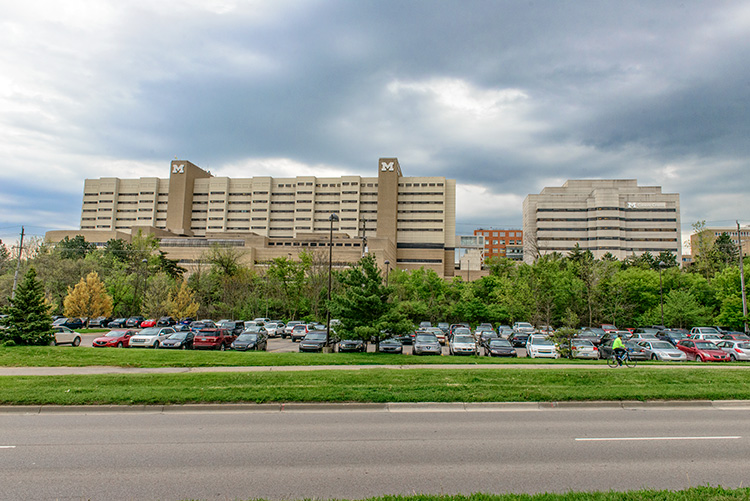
{"x":392,"y":407}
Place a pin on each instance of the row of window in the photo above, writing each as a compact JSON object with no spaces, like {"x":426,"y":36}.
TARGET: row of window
{"x":593,"y":209}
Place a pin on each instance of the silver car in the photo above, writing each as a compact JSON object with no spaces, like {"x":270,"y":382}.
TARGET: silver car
{"x":737,"y":349}
{"x":662,"y":350}
{"x":426,"y":344}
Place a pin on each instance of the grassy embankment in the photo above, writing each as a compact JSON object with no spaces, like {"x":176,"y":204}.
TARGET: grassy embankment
{"x":379,"y":385}
{"x":692,"y":494}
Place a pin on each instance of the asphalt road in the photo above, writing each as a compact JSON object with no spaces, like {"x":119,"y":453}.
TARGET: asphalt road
{"x":293,"y":454}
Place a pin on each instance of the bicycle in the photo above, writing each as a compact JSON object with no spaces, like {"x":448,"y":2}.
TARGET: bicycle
{"x":624,"y":359}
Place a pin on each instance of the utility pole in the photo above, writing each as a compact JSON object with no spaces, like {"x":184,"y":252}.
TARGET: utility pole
{"x":742,"y":276}
{"x":18,"y":265}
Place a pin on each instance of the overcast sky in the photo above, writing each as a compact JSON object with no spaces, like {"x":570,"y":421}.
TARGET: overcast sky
{"x":506,"y":97}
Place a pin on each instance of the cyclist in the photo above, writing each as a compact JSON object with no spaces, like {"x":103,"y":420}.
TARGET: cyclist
{"x":619,"y":349}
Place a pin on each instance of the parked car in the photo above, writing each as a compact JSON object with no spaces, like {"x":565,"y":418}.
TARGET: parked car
{"x":352,"y":345}
{"x":504,"y":331}
{"x":672,"y":336}
{"x":299,"y":332}
{"x":442,"y":338}
{"x":116,"y":338}
{"x":150,"y":337}
{"x":737,"y":349}
{"x":213,"y":339}
{"x":662,"y":350}
{"x":518,"y":339}
{"x":149,"y":322}
{"x":426,"y":343}
{"x":594,"y":334}
{"x":462,"y":344}
{"x":444,"y":326}
{"x":644,"y":336}
{"x":703,"y":351}
{"x":166,"y":322}
{"x":197,"y":325}
{"x":408,"y":338}
{"x":70,"y":323}
{"x":235,"y":328}
{"x":608,"y":327}
{"x":696,"y":331}
{"x":251,"y":341}
{"x":707,"y":336}
{"x":117,"y":323}
{"x":737,"y":336}
{"x":425,"y":325}
{"x":541,"y":347}
{"x":524,"y":327}
{"x":390,"y":345}
{"x":288,"y":328}
{"x":63,"y":335}
{"x":274,"y":329}
{"x":99,"y":322}
{"x":583,"y":348}
{"x":134,"y":322}
{"x":314,"y":341}
{"x":182,"y":340}
{"x":497,"y":347}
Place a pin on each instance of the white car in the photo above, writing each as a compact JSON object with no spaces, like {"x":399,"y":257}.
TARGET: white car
{"x":64,"y":335}
{"x":583,"y":348}
{"x":707,"y":336}
{"x":662,"y":350}
{"x":274,"y":329}
{"x":541,"y":347}
{"x":462,"y":344}
{"x":151,"y":337}
{"x":737,"y":349}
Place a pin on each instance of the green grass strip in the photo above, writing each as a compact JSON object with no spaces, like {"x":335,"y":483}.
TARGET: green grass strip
{"x":706,"y":493}
{"x":378,"y":385}
{"x":65,"y":356}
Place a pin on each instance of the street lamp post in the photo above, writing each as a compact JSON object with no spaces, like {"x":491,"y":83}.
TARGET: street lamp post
{"x":742,"y":275}
{"x":661,"y":292}
{"x":387,"y":271}
{"x":331,"y":218}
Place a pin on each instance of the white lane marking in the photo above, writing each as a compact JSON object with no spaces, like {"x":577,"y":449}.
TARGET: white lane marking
{"x":623,"y":439}
{"x":7,"y":446}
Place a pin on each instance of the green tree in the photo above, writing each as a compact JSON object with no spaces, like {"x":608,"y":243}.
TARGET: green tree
{"x":74,"y":248}
{"x":28,"y":321}
{"x":724,"y":251}
{"x":156,"y":301}
{"x":681,"y":309}
{"x":182,"y":303}
{"x":703,"y":251}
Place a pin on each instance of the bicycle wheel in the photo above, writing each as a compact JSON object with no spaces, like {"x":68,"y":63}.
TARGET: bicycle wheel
{"x":630,"y":362}
{"x":612,"y":361}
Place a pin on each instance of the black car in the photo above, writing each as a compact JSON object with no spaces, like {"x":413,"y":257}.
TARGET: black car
{"x":99,"y":322}
{"x":498,"y":347}
{"x":134,"y":322}
{"x":166,"y":322}
{"x":182,"y":340}
{"x":594,"y":334}
{"x":314,"y":341}
{"x":251,"y":341}
{"x":117,"y":323}
{"x":202,"y":324}
{"x":352,"y":345}
{"x":70,"y":323}
{"x":672,"y":335}
{"x":391,"y":345}
{"x":408,"y":338}
{"x":518,"y":339}
{"x":235,"y":328}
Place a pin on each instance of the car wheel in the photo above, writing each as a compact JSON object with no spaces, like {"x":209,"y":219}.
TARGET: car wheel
{"x":731,"y":356}
{"x":183,"y":347}
{"x":654,"y":358}
{"x":53,"y":342}
{"x":77,"y":341}
{"x":222,"y":347}
{"x":119,"y":344}
{"x":156,"y":345}
{"x":699,"y":358}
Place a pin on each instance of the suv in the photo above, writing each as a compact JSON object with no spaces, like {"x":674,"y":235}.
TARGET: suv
{"x":299,"y":332}
{"x":287,"y":332}
{"x":213,"y":339}
{"x":524,"y":327}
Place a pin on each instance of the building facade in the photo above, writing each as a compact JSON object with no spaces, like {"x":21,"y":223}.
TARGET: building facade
{"x":603,"y":216}
{"x":506,"y":243}
{"x":409,"y":221}
{"x":715,"y":232}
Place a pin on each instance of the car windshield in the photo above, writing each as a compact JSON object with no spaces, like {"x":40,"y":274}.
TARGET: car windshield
{"x":662,"y":345}
{"x":298,"y":327}
{"x":598,"y":331}
{"x":315,"y":336}
{"x":178,"y":336}
{"x":426,"y":338}
{"x":114,"y":334}
{"x":463,"y":339}
{"x":582,"y":342}
{"x":247,"y":337}
{"x":541,"y":341}
{"x":461,"y":330}
{"x":499,"y":343}
{"x":711,"y":336}
{"x":254,"y":328}
{"x":705,"y":345}
{"x":390,"y":340}
{"x":150,"y":331}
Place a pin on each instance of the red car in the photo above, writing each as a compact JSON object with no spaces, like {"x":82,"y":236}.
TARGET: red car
{"x":151,"y":322}
{"x":213,"y":339}
{"x":703,"y":351}
{"x":119,"y":339}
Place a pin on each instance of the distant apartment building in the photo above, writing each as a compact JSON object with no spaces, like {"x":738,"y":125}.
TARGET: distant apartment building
{"x":613,"y":216}
{"x":409,"y":221}
{"x":716,"y":232}
{"x":506,"y":243}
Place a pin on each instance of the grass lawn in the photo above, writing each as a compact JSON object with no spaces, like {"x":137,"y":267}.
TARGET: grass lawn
{"x":66,"y":356}
{"x":691,"y":494}
{"x":379,"y":385}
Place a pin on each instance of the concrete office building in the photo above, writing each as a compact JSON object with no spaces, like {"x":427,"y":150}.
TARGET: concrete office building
{"x":409,"y":221}
{"x":715,"y":232}
{"x":615,"y":216}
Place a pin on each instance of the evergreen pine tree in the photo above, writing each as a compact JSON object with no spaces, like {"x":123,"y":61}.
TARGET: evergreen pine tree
{"x":28,"y":321}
